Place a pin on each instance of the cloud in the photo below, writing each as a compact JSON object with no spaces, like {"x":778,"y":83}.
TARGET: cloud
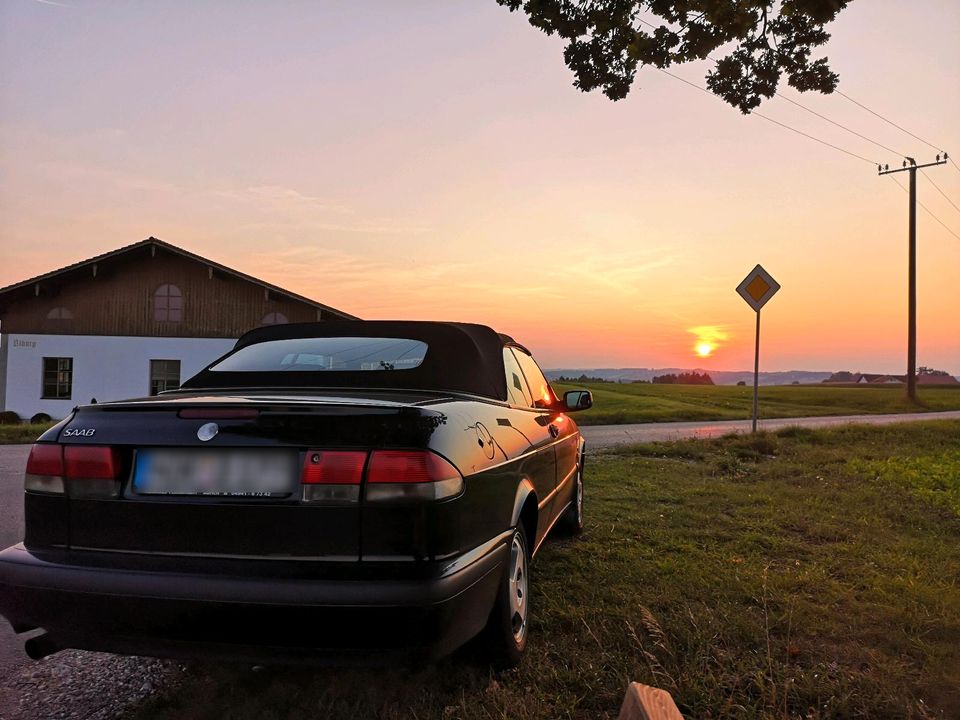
{"x":712,"y":335}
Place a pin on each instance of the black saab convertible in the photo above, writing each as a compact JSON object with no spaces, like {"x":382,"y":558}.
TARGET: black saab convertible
{"x":338,"y":490}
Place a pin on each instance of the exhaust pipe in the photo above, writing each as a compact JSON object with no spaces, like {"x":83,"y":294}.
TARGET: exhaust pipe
{"x":40,"y":646}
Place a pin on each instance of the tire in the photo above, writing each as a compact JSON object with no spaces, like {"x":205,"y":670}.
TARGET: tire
{"x":572,"y":521}
{"x":506,"y":632}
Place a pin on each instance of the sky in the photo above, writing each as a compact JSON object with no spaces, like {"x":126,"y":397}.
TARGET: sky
{"x":433,"y":160}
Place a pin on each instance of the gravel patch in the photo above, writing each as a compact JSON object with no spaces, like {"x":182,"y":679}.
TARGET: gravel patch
{"x":75,"y":685}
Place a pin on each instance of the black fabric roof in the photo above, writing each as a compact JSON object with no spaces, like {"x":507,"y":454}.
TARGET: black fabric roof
{"x":461,"y":357}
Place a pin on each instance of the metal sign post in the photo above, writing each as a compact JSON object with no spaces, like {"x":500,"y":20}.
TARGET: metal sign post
{"x":757,"y":288}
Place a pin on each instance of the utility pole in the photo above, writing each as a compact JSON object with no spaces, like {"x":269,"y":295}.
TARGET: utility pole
{"x":910,"y":166}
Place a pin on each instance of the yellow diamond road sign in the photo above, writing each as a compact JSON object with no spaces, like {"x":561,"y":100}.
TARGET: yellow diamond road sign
{"x":758,"y":287}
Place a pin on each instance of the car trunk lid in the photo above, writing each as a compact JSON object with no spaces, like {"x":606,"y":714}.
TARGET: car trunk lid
{"x":287,"y":437}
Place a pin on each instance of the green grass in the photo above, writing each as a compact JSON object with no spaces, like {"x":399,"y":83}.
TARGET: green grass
{"x":615,"y":403}
{"x":802,"y":574}
{"x":24,"y":433}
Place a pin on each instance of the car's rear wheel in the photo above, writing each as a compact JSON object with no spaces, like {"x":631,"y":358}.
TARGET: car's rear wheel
{"x":507,"y":629}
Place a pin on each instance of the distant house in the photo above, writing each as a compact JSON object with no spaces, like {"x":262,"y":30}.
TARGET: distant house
{"x":135,"y":321}
{"x":924,"y":377}
{"x":849,"y":378}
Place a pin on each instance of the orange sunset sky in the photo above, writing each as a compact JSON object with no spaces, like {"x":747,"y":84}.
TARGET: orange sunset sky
{"x":432,"y":160}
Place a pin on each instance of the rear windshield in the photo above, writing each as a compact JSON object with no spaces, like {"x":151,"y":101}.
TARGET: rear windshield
{"x":345,"y":354}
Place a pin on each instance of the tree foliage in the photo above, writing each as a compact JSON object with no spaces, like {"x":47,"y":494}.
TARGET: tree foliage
{"x":763,"y":40}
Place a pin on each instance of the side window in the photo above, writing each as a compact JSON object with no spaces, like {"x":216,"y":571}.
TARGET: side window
{"x":57,"y":378}
{"x":168,"y":304}
{"x":59,"y":313}
{"x":517,"y":391}
{"x":542,"y":392}
{"x":274,"y":318}
{"x":164,"y":375}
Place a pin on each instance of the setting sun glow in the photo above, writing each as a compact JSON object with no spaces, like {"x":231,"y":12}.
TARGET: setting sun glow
{"x":708,"y":339}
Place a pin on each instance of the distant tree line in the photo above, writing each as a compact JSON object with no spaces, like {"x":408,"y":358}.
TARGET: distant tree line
{"x":924,"y":370}
{"x":584,"y":378}
{"x":684,"y":378}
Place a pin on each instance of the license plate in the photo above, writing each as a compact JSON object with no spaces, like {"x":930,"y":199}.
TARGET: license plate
{"x":217,"y":472}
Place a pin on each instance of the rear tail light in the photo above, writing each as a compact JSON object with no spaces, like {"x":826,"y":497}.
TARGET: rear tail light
{"x":218,"y":413}
{"x":411,"y":475}
{"x":78,"y":470}
{"x":45,"y":469}
{"x":337,"y":476}
{"x":332,"y":475}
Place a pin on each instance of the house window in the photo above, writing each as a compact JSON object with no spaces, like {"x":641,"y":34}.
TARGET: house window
{"x":274,"y":318}
{"x":59,"y":313}
{"x":164,"y":375}
{"x":57,"y":378}
{"x":168,"y":304}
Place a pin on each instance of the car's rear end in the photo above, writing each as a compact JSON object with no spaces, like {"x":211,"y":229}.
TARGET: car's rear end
{"x":301,"y":524}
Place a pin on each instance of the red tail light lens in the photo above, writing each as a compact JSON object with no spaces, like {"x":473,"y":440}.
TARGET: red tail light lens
{"x":411,"y":475}
{"x":218,"y":413}
{"x":323,"y":467}
{"x":403,"y":466}
{"x":79,"y":470}
{"x":45,"y":460}
{"x":91,"y":462}
{"x":332,"y":476}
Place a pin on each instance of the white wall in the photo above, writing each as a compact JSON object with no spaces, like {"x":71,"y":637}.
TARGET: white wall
{"x":104,"y":367}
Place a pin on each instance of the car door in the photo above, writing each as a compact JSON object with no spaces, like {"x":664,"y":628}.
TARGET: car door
{"x":531,"y":439}
{"x":563,"y":431}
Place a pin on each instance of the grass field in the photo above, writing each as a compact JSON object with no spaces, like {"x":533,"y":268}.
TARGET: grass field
{"x":644,"y":402}
{"x":24,"y":433}
{"x":803,"y":574}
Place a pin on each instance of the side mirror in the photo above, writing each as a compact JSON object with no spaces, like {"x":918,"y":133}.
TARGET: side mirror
{"x":577,"y":400}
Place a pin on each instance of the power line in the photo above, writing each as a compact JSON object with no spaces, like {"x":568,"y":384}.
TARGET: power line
{"x":770,"y":119}
{"x":955,"y":166}
{"x":799,"y":105}
{"x":834,"y":122}
{"x":939,"y":190}
{"x":928,"y":210}
{"x":890,"y":122}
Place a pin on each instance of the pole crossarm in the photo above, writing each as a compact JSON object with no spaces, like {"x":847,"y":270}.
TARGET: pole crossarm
{"x":913,"y":166}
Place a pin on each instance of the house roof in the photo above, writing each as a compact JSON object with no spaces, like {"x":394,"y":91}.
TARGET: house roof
{"x":925,"y":379}
{"x":67,"y":271}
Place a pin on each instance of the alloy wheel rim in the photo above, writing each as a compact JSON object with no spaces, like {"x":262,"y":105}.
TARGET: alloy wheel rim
{"x":518,"y":589}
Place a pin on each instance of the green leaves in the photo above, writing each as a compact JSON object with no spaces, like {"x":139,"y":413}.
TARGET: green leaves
{"x":764,"y":40}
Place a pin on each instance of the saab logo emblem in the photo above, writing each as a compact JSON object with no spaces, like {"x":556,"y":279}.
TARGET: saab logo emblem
{"x":79,"y":432}
{"x":208,"y":432}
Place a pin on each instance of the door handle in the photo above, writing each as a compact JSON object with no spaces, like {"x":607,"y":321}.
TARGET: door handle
{"x":554,"y":431}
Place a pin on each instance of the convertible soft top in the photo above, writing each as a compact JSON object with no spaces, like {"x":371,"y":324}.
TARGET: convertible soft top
{"x":461,"y":357}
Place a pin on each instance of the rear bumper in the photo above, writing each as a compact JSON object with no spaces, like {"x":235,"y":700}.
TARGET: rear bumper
{"x":171,"y":614}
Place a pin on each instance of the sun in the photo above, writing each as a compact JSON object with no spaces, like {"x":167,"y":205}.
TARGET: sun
{"x":708,"y":339}
{"x":704,"y":349}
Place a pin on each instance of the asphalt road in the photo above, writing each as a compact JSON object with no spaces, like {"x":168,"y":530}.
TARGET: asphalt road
{"x":13,"y":459}
{"x":599,"y":437}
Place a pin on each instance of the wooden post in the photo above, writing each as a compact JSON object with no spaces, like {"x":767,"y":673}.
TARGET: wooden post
{"x":643,"y":702}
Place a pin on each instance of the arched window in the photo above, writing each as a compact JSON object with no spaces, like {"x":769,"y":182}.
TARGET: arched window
{"x":59,"y":313}
{"x":168,"y":304}
{"x":274,"y":318}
